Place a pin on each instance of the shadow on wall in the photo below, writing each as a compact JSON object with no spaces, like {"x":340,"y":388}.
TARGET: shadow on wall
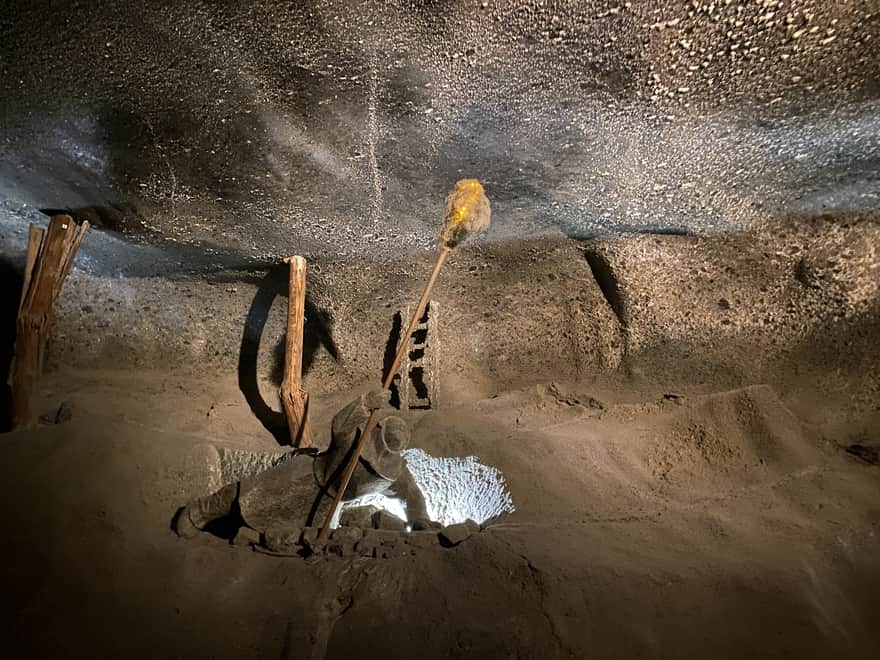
{"x":11,"y":278}
{"x":121,"y":218}
{"x":316,"y":333}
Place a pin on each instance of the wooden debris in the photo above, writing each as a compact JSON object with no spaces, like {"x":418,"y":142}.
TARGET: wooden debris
{"x":49,"y":259}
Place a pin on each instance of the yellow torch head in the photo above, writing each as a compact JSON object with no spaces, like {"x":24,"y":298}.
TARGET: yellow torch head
{"x":467,"y":212}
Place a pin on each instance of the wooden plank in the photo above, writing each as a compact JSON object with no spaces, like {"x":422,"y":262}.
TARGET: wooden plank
{"x":35,"y":244}
{"x":70,"y":256}
{"x":293,"y":398}
{"x":50,"y":267}
{"x":296,"y":306}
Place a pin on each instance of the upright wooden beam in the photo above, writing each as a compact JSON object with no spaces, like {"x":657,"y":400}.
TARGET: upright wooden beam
{"x":49,"y":261}
{"x":293,"y":398}
{"x":35,"y":243}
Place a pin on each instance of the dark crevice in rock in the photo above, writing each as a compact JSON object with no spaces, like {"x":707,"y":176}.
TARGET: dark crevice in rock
{"x":608,"y":285}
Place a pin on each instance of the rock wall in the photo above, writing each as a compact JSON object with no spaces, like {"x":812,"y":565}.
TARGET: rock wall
{"x":734,"y":307}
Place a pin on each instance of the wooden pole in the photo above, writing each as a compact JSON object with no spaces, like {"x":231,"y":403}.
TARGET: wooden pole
{"x":35,"y":243}
{"x":293,"y":398}
{"x":386,"y":383}
{"x":48,"y":262}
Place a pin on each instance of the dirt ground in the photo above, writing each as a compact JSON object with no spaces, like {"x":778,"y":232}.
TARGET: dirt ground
{"x":716,"y":525}
{"x":682,"y":492}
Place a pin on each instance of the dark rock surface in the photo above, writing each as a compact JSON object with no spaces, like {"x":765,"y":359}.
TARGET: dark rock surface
{"x":222,"y":134}
{"x":246,"y":537}
{"x":685,"y":229}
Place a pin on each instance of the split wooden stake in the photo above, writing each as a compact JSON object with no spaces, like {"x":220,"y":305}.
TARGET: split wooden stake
{"x":50,"y":256}
{"x":35,"y":242}
{"x":293,"y":398}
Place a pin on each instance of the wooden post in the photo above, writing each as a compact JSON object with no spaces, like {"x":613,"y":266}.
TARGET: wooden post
{"x":49,"y":259}
{"x":35,"y":242}
{"x":293,"y":398}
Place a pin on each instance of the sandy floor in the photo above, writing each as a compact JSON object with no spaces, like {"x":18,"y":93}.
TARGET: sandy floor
{"x":705,"y":525}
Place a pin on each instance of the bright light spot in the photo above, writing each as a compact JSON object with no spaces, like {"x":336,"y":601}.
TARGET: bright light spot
{"x":456,"y":489}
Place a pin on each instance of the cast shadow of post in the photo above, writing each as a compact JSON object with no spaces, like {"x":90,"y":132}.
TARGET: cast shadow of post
{"x":316,"y":333}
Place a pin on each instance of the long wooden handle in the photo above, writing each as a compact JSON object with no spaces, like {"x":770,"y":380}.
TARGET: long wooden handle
{"x":386,"y":383}
{"x":414,"y":321}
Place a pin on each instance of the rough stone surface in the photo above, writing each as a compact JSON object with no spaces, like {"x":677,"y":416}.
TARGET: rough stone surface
{"x":342,"y":549}
{"x":456,"y":488}
{"x":366,"y":548}
{"x":206,"y":140}
{"x":392,"y":551}
{"x":383,"y":536}
{"x":238,"y":464}
{"x":346,"y":119}
{"x":383,"y":520}
{"x":348,"y":321}
{"x":454,"y":534}
{"x":246,"y":537}
{"x":346,"y":535}
{"x":599,"y":302}
{"x":309,"y":536}
{"x":692,"y":305}
{"x":357,"y":516}
{"x":423,"y":539}
{"x":705,"y":494}
{"x":283,"y":539}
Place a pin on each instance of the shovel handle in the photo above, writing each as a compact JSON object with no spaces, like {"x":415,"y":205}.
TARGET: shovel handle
{"x":386,"y":383}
